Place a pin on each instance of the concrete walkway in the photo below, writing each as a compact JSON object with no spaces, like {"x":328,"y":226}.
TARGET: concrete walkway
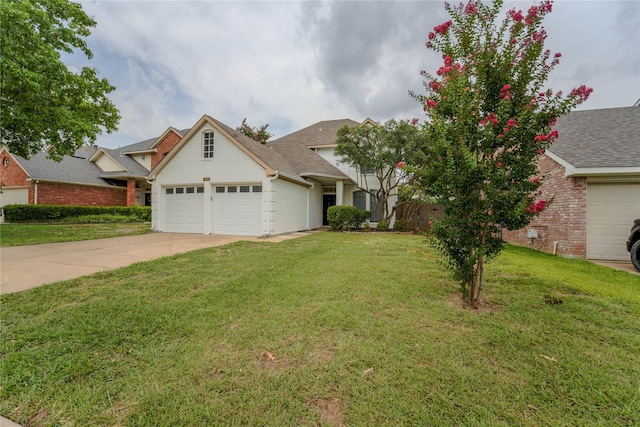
{"x":25,"y":267}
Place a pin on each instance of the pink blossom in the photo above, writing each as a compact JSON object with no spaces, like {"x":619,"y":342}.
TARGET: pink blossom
{"x":415,"y":121}
{"x":537,"y":207}
{"x":442,"y":28}
{"x":400,"y":165}
{"x":430,"y":103}
{"x":516,"y":16}
{"x":499,"y":164}
{"x":500,"y":136}
{"x":470,"y":8}
{"x":435,"y":86}
{"x":539,"y":151}
{"x":582,"y":93}
{"x":432,"y":35}
{"x":534,"y":179}
{"x":491,"y":117}
{"x":505,"y":92}
{"x":448,"y":60}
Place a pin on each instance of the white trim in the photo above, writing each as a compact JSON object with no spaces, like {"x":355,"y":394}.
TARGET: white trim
{"x":572,"y":171}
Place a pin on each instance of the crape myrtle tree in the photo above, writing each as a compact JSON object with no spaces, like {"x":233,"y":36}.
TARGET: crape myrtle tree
{"x":489,"y":119}
{"x":43,"y":103}
{"x":376,"y":151}
{"x":259,"y":134}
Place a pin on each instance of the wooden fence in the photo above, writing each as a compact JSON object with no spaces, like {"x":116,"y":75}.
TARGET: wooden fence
{"x":419,"y":215}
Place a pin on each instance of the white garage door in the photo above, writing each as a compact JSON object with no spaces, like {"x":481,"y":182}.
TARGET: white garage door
{"x":11,"y":196}
{"x":183,"y":209}
{"x":237,"y":209}
{"x":611,"y":209}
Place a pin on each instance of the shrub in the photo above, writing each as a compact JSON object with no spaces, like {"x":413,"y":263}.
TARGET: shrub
{"x":342,"y":218}
{"x":367,"y":227}
{"x":400,"y":225}
{"x":100,"y":219}
{"x":382,"y":226}
{"x":57,"y":213}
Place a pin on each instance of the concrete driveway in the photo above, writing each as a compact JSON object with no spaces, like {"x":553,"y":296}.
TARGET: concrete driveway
{"x":25,"y":267}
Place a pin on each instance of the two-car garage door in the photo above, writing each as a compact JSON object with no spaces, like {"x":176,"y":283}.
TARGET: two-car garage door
{"x":234,"y":210}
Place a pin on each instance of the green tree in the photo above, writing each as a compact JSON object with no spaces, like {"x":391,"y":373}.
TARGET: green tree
{"x":259,"y":134}
{"x":489,"y":119}
{"x":376,"y":151}
{"x":42,"y":102}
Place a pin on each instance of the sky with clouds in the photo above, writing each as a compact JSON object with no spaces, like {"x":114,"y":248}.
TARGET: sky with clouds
{"x":294,"y":63}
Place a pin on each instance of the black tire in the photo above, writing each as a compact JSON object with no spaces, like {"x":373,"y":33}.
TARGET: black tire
{"x":635,"y":254}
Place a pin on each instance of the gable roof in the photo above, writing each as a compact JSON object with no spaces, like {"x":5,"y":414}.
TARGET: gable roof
{"x":150,"y":144}
{"x":270,"y":160}
{"x":598,"y":141}
{"x":72,"y":169}
{"x":321,"y":134}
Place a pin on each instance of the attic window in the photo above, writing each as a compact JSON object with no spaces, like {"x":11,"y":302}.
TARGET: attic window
{"x":207,"y":145}
{"x":5,"y":162}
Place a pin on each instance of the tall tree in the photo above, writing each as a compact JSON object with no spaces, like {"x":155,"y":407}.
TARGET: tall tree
{"x":259,"y":133}
{"x":375,"y":151}
{"x":489,"y":119}
{"x":42,"y":102}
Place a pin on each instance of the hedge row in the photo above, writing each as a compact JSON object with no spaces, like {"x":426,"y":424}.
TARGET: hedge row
{"x":342,"y":218}
{"x":54,"y":213}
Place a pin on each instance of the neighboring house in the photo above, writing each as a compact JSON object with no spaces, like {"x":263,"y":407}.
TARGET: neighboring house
{"x":593,"y":175}
{"x":92,"y":176}
{"x":218,"y":181}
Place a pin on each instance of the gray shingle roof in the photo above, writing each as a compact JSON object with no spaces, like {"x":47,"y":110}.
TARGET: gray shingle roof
{"x":73,"y":169}
{"x":271,"y":157}
{"x":295,"y":147}
{"x":147,"y":144}
{"x":304,"y":160}
{"x":133,"y":168}
{"x":606,"y":138}
{"x":319,"y":134}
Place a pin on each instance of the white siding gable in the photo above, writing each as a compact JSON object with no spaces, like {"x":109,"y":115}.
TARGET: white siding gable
{"x":229,"y":163}
{"x":107,"y":164}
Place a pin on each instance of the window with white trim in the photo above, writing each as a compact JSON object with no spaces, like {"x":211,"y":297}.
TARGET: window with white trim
{"x":207,"y":145}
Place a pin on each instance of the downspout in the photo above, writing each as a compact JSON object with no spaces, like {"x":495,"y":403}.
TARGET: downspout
{"x":35,"y":192}
{"x":309,"y":204}
{"x":270,"y":210}
{"x":154,"y":218}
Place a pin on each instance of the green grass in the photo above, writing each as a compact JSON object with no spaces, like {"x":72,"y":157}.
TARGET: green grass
{"x":36,"y":234}
{"x":330,"y":329}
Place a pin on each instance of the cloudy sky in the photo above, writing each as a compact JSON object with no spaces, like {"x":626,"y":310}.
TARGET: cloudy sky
{"x":294,"y":63}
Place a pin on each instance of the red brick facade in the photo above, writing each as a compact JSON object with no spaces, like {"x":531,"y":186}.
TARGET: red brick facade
{"x":50,"y":193}
{"x":564,"y":221}
{"x":168,"y":142}
{"x":11,"y":175}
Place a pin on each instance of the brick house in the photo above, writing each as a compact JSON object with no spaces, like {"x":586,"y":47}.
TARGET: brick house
{"x":593,"y":176}
{"x":93,"y":176}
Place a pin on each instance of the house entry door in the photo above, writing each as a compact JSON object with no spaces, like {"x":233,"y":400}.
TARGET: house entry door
{"x":328,"y":200}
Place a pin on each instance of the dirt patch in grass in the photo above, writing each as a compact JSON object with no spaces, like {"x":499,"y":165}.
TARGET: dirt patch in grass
{"x":484,"y":306}
{"x":331,"y":411}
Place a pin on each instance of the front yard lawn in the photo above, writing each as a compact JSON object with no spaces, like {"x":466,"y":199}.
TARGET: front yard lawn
{"x":36,"y":234}
{"x":330,"y":329}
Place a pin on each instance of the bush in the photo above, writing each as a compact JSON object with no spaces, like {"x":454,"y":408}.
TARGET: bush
{"x":400,"y":225}
{"x":57,"y":213}
{"x":382,"y":226}
{"x":342,"y":218}
{"x":100,"y":219}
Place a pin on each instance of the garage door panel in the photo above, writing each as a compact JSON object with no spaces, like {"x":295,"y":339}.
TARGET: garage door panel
{"x":183,"y":212}
{"x":237,"y":213}
{"x":611,"y":209}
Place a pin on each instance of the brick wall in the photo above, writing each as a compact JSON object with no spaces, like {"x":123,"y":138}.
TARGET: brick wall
{"x":12,"y":175}
{"x":73,"y":194}
{"x":564,"y":221}
{"x":166,"y":145}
